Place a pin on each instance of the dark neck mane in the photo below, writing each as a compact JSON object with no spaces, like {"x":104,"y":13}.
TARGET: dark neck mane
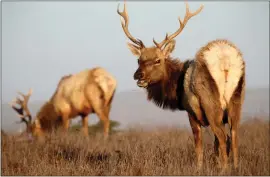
{"x":165,"y":94}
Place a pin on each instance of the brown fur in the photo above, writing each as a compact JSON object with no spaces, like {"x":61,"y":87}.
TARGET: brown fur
{"x":77,"y":95}
{"x":179,"y":89}
{"x":47,"y":116}
{"x":210,"y":87}
{"x":164,"y":94}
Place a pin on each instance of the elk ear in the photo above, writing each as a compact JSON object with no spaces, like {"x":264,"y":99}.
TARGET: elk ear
{"x":134,"y":49}
{"x":169,"y":47}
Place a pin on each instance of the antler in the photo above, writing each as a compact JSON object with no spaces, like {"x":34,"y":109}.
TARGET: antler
{"x":23,"y":107}
{"x":124,"y":14}
{"x":182,"y":26}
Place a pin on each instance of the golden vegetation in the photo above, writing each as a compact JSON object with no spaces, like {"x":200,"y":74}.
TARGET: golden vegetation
{"x":134,"y":152}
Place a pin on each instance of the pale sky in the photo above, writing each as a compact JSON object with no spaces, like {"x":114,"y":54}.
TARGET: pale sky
{"x":43,"y":41}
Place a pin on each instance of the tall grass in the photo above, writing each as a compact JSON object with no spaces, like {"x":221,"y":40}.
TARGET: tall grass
{"x":160,"y":152}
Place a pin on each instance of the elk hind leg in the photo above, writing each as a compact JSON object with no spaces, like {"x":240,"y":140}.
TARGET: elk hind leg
{"x":220,"y":135}
{"x":97,"y":102}
{"x":216,"y":144}
{"x":101,"y":112}
{"x":106,"y":122}
{"x":234,"y":116}
{"x":214,"y":114}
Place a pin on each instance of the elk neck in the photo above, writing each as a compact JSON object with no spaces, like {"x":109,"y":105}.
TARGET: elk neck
{"x":168,"y":92}
{"x":47,"y":115}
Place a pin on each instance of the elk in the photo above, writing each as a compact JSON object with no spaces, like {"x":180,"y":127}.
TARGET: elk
{"x":89,"y":91}
{"x":210,"y":87}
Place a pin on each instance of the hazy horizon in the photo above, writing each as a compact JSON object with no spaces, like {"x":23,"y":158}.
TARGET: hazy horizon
{"x":137,"y":111}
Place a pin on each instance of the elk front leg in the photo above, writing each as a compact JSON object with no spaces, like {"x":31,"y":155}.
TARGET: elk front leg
{"x":85,"y":126}
{"x":65,"y":124}
{"x":197,"y":133}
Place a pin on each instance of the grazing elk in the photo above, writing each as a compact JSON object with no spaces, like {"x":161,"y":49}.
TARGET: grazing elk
{"x":210,"y":87}
{"x":89,"y":91}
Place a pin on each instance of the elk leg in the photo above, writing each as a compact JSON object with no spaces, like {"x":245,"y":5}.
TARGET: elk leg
{"x":234,"y":112}
{"x":106,"y":122}
{"x":197,"y":133}
{"x":99,"y":108}
{"x":65,"y":123}
{"x":107,"y":111}
{"x":216,"y":146}
{"x":234,"y":115}
{"x":234,"y":145}
{"x":101,"y":113}
{"x":229,"y":142}
{"x":85,"y":125}
{"x":216,"y":143}
{"x":222,"y":149}
{"x":214,"y":117}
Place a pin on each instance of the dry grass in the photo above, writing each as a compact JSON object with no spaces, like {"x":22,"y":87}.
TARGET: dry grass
{"x":163,"y":152}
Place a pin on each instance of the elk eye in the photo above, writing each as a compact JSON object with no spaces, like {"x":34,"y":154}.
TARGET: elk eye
{"x":157,"y":61}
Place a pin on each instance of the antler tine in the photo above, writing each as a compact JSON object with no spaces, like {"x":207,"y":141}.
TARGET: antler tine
{"x":125,"y":24}
{"x":18,"y":110}
{"x":23,"y":106}
{"x":182,"y":25}
{"x":27,"y":95}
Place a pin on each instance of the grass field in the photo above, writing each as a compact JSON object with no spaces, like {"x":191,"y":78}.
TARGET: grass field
{"x":156,"y":152}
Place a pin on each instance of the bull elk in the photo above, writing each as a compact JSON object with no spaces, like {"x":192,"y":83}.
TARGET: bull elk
{"x":89,"y":91}
{"x":209,"y":87}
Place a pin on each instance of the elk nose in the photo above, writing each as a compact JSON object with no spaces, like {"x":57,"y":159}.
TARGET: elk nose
{"x":138,"y":75}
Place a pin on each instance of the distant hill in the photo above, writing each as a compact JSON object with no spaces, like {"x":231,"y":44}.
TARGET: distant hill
{"x":131,"y":108}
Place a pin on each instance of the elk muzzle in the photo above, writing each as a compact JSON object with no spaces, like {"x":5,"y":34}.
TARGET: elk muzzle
{"x":139,"y":75}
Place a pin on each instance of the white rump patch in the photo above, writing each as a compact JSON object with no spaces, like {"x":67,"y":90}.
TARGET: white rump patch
{"x":220,"y":59}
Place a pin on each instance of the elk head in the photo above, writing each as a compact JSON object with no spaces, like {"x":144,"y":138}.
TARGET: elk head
{"x":32,"y":128}
{"x":152,"y":60}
